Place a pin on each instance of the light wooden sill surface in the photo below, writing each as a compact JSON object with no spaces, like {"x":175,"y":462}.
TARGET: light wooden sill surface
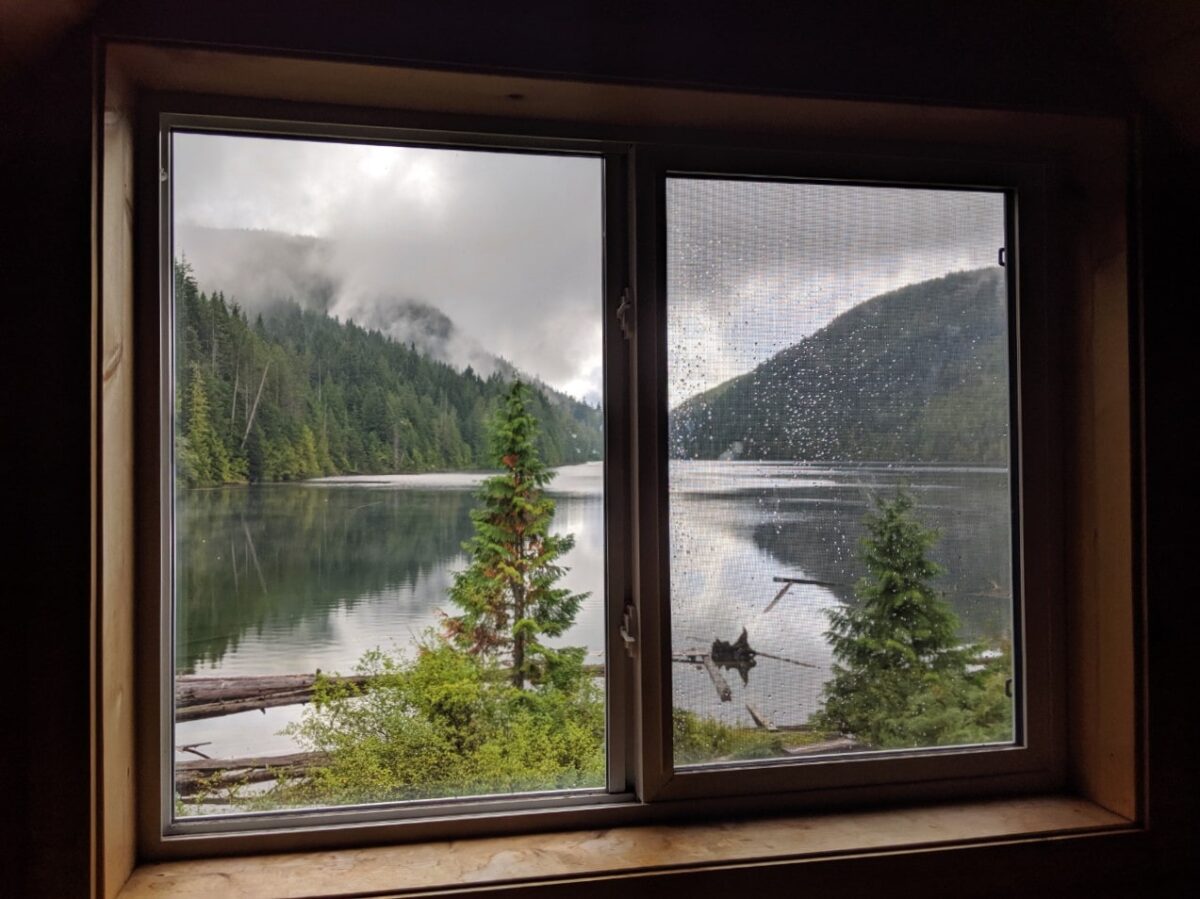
{"x":445,"y":865}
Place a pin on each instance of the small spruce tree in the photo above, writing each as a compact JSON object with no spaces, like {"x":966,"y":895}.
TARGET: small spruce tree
{"x":203,"y":458}
{"x":507,"y":593}
{"x":896,"y":649}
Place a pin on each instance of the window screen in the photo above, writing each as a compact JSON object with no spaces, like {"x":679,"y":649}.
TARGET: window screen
{"x":840,"y":486}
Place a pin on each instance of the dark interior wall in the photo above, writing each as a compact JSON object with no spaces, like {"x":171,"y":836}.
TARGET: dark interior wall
{"x":1023,"y":53}
{"x":45,"y":264}
{"x":1032,"y":55}
{"x":1169,"y":251}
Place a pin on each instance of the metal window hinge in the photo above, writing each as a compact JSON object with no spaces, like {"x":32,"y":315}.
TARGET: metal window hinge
{"x":628,"y":629}
{"x":625,"y":313}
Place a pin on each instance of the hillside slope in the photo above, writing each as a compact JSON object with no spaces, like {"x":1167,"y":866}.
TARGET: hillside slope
{"x":294,"y":394}
{"x":915,"y":375}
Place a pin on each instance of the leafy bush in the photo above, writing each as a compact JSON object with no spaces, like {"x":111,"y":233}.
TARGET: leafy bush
{"x":449,"y":723}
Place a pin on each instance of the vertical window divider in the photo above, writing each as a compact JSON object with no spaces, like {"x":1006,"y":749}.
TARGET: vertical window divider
{"x":618,"y":493}
{"x":650,"y":452}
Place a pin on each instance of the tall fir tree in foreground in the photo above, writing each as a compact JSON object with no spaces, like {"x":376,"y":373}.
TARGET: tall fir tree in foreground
{"x":507,"y":594}
{"x":900,"y":676}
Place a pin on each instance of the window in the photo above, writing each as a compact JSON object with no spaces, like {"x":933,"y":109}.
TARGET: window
{"x":839,"y":482}
{"x":760,"y":516}
{"x":386,"y":564}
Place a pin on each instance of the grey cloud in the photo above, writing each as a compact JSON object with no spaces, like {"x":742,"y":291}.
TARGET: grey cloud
{"x":754,"y":267}
{"x":507,"y":246}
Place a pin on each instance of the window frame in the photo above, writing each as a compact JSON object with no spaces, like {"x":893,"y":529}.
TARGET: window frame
{"x":159,"y":617}
{"x":1035,"y":760}
{"x":635,"y":455}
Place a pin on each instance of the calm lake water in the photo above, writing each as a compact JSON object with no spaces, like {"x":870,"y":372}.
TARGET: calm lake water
{"x":289,"y":578}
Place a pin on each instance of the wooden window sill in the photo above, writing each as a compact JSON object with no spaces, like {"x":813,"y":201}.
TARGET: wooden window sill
{"x":445,"y":866}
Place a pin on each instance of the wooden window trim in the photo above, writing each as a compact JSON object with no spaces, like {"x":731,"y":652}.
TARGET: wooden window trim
{"x":1102,"y":748}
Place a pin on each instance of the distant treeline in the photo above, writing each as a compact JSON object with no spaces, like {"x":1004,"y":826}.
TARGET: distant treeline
{"x":297,"y":394}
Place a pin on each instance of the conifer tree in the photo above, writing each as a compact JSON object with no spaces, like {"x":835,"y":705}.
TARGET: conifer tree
{"x":897,"y":647}
{"x":507,"y":593}
{"x":203,"y":456}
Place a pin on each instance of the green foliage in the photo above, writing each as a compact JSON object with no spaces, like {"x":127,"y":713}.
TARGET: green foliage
{"x":449,"y":724}
{"x":203,"y":457}
{"x":697,"y":740}
{"x":454,"y":721}
{"x":298,"y":394}
{"x":507,"y":593}
{"x":900,"y":677}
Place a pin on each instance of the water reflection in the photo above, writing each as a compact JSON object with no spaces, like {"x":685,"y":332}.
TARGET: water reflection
{"x":287,"y":578}
{"x":737,"y":526}
{"x":291,"y":578}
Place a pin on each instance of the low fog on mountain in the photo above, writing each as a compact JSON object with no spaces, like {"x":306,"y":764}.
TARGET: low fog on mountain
{"x":471,"y":255}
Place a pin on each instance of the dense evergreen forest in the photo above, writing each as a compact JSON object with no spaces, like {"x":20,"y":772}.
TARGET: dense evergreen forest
{"x":297,"y":394}
{"x":915,"y":375}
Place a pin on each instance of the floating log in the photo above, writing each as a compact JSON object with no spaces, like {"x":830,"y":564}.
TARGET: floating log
{"x":203,"y":775}
{"x":778,"y":596}
{"x":722,"y":686}
{"x":211,"y":697}
{"x":841,"y":744}
{"x":767,"y":655}
{"x":199,"y":697}
{"x":787,"y":585}
{"x":801,"y":580}
{"x":761,"y":720}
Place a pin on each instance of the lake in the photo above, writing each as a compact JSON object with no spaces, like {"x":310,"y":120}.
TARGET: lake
{"x":290,"y":578}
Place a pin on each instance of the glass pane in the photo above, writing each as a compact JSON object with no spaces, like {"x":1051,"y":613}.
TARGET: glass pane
{"x":389,"y":545}
{"x":840,"y":483}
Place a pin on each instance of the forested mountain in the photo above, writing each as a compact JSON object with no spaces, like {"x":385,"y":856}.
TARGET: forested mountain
{"x":918,"y":374}
{"x":297,"y":394}
{"x":263,"y":268}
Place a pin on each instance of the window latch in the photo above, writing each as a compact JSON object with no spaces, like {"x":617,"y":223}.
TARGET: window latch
{"x":628,"y":629}
{"x":625,"y":313}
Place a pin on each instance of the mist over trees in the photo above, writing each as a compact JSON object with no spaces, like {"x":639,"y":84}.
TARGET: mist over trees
{"x":296,"y":394}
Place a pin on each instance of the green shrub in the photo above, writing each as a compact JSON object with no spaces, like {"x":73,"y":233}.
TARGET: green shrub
{"x":449,"y":723}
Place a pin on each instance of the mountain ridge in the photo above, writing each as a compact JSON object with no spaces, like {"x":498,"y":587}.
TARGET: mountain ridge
{"x":918,"y":374}
{"x":294,"y":394}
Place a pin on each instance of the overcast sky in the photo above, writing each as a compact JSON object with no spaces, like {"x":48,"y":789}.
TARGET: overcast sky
{"x":509,"y":246}
{"x":752,"y":267}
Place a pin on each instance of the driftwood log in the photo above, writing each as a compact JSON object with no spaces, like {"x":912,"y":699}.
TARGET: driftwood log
{"x":210,"y":697}
{"x":841,"y":744}
{"x":198,"y":696}
{"x":196,"y":776}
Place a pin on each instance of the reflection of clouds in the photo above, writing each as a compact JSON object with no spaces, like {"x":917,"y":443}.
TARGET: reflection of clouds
{"x":391,"y":617}
{"x":586,"y":478}
{"x":584,"y":517}
{"x":721,"y":582}
{"x":735,"y":526}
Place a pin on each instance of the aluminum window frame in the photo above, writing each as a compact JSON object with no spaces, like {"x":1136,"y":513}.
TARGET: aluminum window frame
{"x":1035,"y":759}
{"x":642,"y":784}
{"x":160,"y":719}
